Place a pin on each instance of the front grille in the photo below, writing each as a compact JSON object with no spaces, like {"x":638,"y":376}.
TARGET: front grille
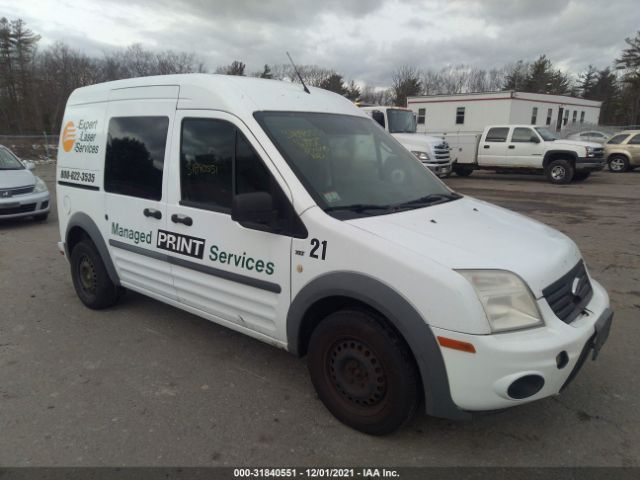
{"x":598,"y":152}
{"x":29,"y":207}
{"x":568,"y":296}
{"x":10,"y":192}
{"x":442,"y":153}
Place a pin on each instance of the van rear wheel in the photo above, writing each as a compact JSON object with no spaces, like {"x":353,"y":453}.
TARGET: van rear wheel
{"x":363,"y":372}
{"x":90,"y":278}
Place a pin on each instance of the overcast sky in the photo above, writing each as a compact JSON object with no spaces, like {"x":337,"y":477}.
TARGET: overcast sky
{"x":362,"y":39}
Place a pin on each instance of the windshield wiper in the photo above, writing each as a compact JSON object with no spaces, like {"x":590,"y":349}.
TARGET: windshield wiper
{"x":431,"y":199}
{"x":357,"y":207}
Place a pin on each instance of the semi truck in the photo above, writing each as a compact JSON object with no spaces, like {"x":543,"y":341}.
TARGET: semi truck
{"x":525,"y":149}
{"x":432,"y":151}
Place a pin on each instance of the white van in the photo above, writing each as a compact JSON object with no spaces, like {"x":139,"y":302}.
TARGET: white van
{"x":293,"y":218}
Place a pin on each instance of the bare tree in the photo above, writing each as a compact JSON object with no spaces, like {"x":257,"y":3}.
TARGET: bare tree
{"x":405,"y":82}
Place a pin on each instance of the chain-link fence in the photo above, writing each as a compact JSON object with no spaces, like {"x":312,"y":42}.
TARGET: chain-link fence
{"x":42,"y":147}
{"x":610,"y":130}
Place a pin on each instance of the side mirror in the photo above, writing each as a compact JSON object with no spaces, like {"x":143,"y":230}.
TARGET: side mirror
{"x":534,"y":139}
{"x":29,"y":165}
{"x":378,"y":117}
{"x":253,"y":209}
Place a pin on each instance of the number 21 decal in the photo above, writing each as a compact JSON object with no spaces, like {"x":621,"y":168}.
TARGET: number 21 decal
{"x":315,"y":245}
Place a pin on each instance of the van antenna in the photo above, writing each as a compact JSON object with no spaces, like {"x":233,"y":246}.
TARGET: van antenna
{"x":295,"y":69}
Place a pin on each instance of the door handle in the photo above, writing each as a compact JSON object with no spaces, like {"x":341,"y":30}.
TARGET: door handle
{"x":486,"y":146}
{"x":512,"y":147}
{"x":188,"y":221}
{"x":152,"y":212}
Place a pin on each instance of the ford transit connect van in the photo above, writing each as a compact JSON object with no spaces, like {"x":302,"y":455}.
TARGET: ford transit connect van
{"x":293,"y":218}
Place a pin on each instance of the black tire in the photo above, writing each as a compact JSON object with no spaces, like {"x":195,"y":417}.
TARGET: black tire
{"x":618,"y":164}
{"x":581,"y":176}
{"x":90,"y":278}
{"x":559,"y":172}
{"x":363,"y":372}
{"x":462,"y":170}
{"x":42,"y":217}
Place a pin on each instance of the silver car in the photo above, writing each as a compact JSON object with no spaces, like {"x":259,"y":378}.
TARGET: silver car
{"x":590,"y":136}
{"x":22,"y":194}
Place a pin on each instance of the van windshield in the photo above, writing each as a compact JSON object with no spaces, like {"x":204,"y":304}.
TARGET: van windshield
{"x":401,"y":121}
{"x":350,"y":166}
{"x":8,"y":161}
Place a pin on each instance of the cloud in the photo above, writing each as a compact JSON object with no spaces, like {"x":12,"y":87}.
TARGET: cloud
{"x":362,"y":39}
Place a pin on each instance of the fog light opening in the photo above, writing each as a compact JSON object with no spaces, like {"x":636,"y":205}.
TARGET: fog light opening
{"x":525,"y":387}
{"x":562,"y":359}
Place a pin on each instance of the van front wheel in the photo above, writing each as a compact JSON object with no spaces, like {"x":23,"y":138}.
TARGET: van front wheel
{"x":90,"y":278}
{"x":363,"y":372}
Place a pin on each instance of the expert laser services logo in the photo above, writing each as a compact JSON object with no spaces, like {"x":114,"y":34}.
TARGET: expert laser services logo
{"x":81,"y":139}
{"x":68,"y":136}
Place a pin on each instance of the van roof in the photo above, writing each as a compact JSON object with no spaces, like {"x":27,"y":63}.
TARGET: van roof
{"x":234,"y":94}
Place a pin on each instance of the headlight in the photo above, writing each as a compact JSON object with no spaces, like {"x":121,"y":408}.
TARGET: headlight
{"x":590,"y":152}
{"x":422,"y":156}
{"x":40,"y":186}
{"x":506,"y":299}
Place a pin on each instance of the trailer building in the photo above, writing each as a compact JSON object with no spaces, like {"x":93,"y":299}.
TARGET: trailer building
{"x":472,"y":112}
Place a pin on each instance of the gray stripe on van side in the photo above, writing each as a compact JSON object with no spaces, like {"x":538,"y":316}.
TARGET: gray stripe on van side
{"x":216,"y":272}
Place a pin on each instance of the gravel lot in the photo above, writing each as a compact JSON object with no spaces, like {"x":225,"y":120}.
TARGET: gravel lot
{"x":147,"y":384}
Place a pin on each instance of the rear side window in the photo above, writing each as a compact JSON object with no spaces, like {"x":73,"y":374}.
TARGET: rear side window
{"x":618,"y":139}
{"x":635,"y":140}
{"x":497,"y":134}
{"x":134,"y":159}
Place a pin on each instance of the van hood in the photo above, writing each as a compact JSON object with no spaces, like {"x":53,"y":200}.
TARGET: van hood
{"x":472,"y":234}
{"x":575,"y":143}
{"x":16,"y":178}
{"x":417,"y":139}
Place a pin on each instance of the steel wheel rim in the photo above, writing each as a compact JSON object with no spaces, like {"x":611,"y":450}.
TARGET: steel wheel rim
{"x":87,"y":274}
{"x":356,"y":375}
{"x":558,"y":172}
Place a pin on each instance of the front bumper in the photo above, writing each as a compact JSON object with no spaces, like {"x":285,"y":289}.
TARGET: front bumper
{"x":481,"y":381}
{"x":25,"y":205}
{"x":439,"y":168}
{"x":590,"y":164}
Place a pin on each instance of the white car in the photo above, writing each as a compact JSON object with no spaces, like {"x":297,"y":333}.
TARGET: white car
{"x":22,"y":194}
{"x":590,"y":136}
{"x":291,"y":217}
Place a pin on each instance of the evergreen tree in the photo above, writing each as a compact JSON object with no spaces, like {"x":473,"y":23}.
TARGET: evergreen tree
{"x":587,"y":81}
{"x":266,"y":73}
{"x":334,"y":83}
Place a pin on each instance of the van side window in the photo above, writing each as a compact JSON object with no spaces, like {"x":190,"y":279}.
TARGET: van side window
{"x":206,"y":163}
{"x":134,"y":157}
{"x":497,"y":134}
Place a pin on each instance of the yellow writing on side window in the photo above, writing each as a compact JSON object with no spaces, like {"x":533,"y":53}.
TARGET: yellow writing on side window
{"x":194,"y":168}
{"x":310,"y":142}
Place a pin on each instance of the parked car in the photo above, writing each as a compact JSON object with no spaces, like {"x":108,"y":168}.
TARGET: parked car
{"x":292,"y":218}
{"x":22,"y":194}
{"x":590,"y":136}
{"x":525,"y":149}
{"x":622,"y":151}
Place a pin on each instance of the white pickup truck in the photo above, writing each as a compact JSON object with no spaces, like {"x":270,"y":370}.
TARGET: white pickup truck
{"x":432,"y":151}
{"x":525,"y":149}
